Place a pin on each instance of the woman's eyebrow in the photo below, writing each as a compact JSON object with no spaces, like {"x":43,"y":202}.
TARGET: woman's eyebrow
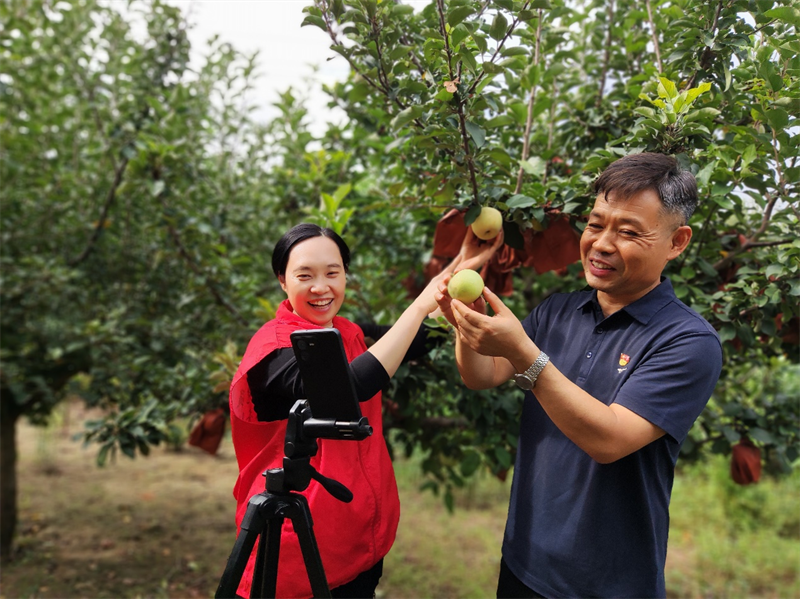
{"x":304,"y":267}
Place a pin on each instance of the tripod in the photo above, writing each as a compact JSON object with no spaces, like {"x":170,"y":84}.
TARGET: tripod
{"x":266,"y":511}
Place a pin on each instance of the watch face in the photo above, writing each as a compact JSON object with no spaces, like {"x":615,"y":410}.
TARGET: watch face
{"x":523,"y":382}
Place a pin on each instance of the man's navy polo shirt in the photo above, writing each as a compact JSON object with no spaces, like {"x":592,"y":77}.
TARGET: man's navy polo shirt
{"x":577,"y":528}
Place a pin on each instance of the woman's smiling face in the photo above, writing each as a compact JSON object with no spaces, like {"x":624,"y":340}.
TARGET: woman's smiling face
{"x":315,"y":280}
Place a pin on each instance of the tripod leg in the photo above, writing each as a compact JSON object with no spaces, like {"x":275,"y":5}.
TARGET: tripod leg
{"x":265,"y":574}
{"x":304,"y":528}
{"x":252,"y":525}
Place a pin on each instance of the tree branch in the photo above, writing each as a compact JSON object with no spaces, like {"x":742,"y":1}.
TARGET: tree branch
{"x":384,"y":87}
{"x":708,"y":53}
{"x":607,"y":58}
{"x":119,"y":171}
{"x":413,"y":58}
{"x":500,"y":45}
{"x":701,"y":241}
{"x":526,"y":142}
{"x":332,"y":34}
{"x":176,"y":238}
{"x":654,"y":35}
{"x":461,"y":101}
{"x":750,"y":242}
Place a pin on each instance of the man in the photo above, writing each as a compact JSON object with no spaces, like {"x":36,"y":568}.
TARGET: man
{"x":615,"y":376}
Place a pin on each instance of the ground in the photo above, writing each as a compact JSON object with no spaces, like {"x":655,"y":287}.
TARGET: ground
{"x":163,"y":525}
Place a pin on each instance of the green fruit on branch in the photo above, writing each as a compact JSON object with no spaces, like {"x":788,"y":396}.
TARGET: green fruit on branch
{"x":466,"y":286}
{"x":488,"y":224}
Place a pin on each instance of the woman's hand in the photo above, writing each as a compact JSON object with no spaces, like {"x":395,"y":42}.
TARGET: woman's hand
{"x":476,"y":252}
{"x":427,"y":298}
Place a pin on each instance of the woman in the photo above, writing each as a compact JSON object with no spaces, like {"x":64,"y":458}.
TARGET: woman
{"x":311,"y":264}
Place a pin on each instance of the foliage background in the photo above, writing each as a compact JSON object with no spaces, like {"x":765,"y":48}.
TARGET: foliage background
{"x":140,"y":200}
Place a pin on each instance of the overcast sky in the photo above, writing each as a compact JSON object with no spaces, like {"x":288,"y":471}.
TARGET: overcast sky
{"x":287,"y":51}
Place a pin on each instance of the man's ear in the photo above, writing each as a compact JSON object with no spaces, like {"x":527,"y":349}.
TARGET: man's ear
{"x":680,"y":239}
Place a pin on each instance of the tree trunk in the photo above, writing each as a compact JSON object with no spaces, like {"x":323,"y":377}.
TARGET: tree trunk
{"x":9,"y":414}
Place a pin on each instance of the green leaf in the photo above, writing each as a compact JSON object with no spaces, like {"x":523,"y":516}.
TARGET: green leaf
{"x":775,"y":82}
{"x":645,"y":111}
{"x":467,"y":57}
{"x":727,"y":333}
{"x":404,"y":117}
{"x":443,"y":95}
{"x":701,"y":113}
{"x":759,"y":434}
{"x":503,"y":457}
{"x":396,"y":144}
{"x":704,"y":174}
{"x":666,"y":88}
{"x":778,"y":119}
{"x":458,"y":14}
{"x":472,"y":213}
{"x":484,"y":82}
{"x":534,"y":166}
{"x":491,"y":67}
{"x":328,"y":204}
{"x":515,"y":51}
{"x":707,"y":268}
{"x":787,"y":14}
{"x":399,"y":52}
{"x":748,"y":156}
{"x":470,"y":463}
{"x":402,"y":10}
{"x":156,"y":188}
{"x":355,"y":16}
{"x":730,"y":434}
{"x":693,"y":93}
{"x":520,"y":201}
{"x":477,"y":134}
{"x":499,"y":121}
{"x":774,"y":270}
{"x":499,"y":26}
{"x":314,"y":20}
{"x":449,"y":500}
{"x":342,"y":191}
{"x":458,"y":34}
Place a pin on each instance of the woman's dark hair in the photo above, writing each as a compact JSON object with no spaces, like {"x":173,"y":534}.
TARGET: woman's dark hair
{"x":301,"y":232}
{"x":635,"y":173}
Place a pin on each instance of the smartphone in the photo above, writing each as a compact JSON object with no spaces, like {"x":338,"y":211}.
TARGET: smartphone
{"x":327,"y":380}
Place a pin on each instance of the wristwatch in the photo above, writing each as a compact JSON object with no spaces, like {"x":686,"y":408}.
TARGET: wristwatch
{"x":527,"y":379}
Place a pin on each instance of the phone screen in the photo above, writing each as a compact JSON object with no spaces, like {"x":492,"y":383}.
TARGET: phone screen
{"x":327,"y":380}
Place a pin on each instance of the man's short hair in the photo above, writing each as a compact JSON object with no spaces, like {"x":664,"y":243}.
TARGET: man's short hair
{"x":632,"y":174}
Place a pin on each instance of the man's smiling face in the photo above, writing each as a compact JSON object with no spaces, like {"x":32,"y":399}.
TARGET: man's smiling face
{"x":626,"y":245}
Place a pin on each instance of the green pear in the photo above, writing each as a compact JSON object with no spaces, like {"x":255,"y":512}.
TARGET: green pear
{"x":466,"y":286}
{"x":488,"y":224}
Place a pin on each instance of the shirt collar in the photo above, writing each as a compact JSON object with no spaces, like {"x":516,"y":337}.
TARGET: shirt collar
{"x":645,"y":307}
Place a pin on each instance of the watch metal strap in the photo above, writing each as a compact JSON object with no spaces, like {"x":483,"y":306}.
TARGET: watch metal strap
{"x":538,"y":365}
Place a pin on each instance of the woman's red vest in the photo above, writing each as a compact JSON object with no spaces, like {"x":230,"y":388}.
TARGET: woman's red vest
{"x":352,"y":537}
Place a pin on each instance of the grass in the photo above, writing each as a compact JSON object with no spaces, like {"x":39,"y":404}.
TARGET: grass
{"x":442,"y":554}
{"x":163,"y":526}
{"x":734,"y":541}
